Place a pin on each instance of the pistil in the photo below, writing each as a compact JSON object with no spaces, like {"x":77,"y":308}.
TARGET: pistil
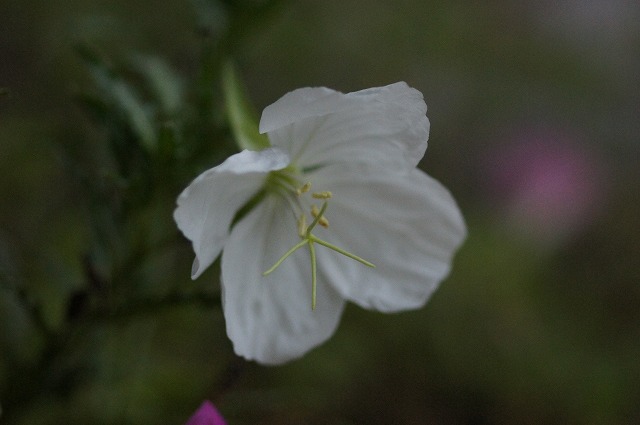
{"x":308,"y":238}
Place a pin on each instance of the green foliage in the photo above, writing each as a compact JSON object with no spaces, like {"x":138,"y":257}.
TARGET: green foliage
{"x":101,"y":356}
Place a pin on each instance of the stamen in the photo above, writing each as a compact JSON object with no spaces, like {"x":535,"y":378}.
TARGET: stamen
{"x":318,"y":216}
{"x":302,"y":225}
{"x":322,"y":221}
{"x":304,"y":189}
{"x":322,"y":195}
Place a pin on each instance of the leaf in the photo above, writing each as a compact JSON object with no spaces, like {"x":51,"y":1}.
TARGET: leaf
{"x":137,"y":115}
{"x":123,"y":98}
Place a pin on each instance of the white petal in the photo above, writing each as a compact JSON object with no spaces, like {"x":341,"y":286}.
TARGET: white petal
{"x":208,"y":205}
{"x":408,"y":225}
{"x":269,"y":318}
{"x":303,"y":103}
{"x":383,"y":125}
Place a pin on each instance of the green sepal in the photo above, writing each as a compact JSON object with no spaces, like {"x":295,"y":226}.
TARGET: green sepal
{"x":242,"y":117}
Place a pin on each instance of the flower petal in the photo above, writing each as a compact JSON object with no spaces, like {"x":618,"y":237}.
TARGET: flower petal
{"x":208,"y":205}
{"x":207,"y":414}
{"x":303,"y":103}
{"x":269,"y":318}
{"x":383,"y":125}
{"x":408,"y":225}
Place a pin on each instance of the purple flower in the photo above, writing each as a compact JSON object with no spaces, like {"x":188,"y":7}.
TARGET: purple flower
{"x":207,"y":414}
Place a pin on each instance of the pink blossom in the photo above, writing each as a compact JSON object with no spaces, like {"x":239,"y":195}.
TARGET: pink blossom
{"x":548,"y":184}
{"x":207,"y":414}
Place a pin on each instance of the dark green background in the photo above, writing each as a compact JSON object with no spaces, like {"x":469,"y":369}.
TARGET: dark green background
{"x":539,"y":321}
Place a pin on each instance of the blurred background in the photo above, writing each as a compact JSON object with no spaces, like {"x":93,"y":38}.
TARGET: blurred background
{"x":109,"y":108}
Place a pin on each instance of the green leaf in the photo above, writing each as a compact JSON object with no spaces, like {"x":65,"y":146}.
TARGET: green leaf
{"x":121,"y":98}
{"x":136,"y":114}
{"x":242,"y":116}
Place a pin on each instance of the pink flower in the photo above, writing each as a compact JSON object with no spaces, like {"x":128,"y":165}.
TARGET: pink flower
{"x":548,"y":184}
{"x":207,"y":414}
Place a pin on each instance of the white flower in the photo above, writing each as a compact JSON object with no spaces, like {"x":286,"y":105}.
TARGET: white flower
{"x":363,"y":147}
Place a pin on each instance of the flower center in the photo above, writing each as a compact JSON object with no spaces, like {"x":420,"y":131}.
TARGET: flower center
{"x":290,"y":185}
{"x":284,"y":182}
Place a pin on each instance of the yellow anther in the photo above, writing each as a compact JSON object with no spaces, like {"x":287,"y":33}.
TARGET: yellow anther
{"x":302,"y":225}
{"x":322,"y":195}
{"x":304,"y":188}
{"x":323,"y":220}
